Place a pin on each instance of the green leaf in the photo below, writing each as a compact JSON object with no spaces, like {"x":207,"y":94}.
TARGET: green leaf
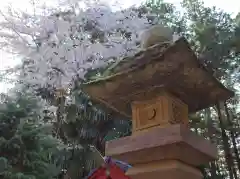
{"x":3,"y":164}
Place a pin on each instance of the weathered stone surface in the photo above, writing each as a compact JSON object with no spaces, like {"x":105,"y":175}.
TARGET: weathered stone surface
{"x":172,"y":67}
{"x":168,"y":169}
{"x":175,"y":142}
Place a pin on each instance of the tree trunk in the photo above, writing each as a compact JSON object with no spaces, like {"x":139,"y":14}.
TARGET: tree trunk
{"x":213,"y":168}
{"x":226,"y":147}
{"x":232,"y":135}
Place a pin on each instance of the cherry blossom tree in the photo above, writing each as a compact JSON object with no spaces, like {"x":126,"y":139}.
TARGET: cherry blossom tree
{"x":57,"y":45}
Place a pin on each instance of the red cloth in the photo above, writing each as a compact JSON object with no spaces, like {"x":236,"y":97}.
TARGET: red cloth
{"x":115,"y":173}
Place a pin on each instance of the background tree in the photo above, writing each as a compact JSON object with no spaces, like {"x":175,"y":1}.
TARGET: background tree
{"x":27,"y":148}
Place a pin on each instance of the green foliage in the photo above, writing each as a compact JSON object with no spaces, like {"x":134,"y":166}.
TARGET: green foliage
{"x":83,"y":125}
{"x":212,"y":33}
{"x":26,"y":144}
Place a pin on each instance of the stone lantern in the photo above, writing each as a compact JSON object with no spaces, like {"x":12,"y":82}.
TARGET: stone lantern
{"x":157,"y":88}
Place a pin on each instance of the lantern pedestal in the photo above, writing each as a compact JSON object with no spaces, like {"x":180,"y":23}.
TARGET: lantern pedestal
{"x":162,"y":144}
{"x":173,"y":152}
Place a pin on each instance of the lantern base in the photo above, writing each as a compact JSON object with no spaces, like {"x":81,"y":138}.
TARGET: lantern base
{"x":173,"y":152}
{"x":175,"y":142}
{"x":170,"y":169}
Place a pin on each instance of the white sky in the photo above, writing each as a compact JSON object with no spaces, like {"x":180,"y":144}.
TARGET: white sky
{"x":6,"y":60}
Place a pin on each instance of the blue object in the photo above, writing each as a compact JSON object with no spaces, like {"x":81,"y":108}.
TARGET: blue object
{"x":122,"y":165}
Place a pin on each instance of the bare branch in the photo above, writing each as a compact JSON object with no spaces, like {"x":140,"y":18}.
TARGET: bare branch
{"x":14,"y":30}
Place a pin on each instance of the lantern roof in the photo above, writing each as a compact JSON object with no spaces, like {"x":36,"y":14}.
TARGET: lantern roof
{"x":172,"y":67}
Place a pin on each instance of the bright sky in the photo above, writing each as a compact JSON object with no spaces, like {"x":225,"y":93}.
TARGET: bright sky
{"x":6,"y":60}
